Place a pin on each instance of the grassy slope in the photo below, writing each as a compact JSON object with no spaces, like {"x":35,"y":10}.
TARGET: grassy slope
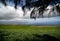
{"x":27,"y":31}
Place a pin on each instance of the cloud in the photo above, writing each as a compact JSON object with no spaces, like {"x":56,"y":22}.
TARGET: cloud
{"x":8,"y":15}
{"x":9,"y":12}
{"x":38,"y":21}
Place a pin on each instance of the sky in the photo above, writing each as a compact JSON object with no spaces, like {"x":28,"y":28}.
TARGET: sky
{"x":8,"y":15}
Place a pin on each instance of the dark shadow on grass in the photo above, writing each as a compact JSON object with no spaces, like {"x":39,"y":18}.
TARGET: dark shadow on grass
{"x":46,"y":37}
{"x":4,"y":36}
{"x":37,"y":37}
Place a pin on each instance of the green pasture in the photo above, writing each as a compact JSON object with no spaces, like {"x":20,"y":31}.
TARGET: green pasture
{"x":26,"y":32}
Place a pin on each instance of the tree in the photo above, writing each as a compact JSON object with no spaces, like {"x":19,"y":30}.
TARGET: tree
{"x":42,"y":4}
{"x":16,"y":2}
{"x":28,"y":1}
{"x":4,"y":2}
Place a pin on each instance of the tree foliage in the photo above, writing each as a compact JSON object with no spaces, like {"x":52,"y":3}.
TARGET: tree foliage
{"x":4,"y":2}
{"x":40,"y":3}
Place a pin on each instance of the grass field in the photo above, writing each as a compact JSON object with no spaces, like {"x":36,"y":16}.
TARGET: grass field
{"x":29,"y":33}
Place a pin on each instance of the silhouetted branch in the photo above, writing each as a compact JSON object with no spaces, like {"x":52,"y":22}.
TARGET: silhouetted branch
{"x":16,"y":2}
{"x":4,"y":2}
